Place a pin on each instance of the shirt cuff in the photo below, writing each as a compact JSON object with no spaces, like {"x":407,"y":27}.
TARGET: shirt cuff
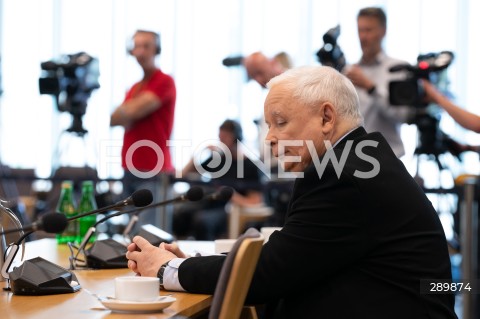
{"x":170,"y":275}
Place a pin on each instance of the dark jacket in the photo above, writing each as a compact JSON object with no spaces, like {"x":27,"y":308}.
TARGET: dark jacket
{"x":351,"y":247}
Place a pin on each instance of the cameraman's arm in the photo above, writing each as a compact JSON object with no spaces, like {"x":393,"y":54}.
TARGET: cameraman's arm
{"x":466,"y":119}
{"x":359,"y":79}
{"x":378,"y":93}
{"x":135,"y":108}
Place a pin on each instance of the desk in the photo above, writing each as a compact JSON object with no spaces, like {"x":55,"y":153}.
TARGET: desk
{"x":80,"y":304}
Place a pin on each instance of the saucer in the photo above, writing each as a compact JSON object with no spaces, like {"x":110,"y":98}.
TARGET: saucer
{"x":138,"y":306}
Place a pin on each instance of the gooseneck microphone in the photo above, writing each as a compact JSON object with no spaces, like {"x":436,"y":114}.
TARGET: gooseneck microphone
{"x":233,"y":61}
{"x":50,"y":223}
{"x":194,"y":194}
{"x":109,"y":253}
{"x":39,"y":276}
{"x":139,"y":198}
{"x":224,"y":194}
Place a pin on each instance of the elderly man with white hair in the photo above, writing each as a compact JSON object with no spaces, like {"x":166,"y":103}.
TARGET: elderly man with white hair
{"x":360,"y":239}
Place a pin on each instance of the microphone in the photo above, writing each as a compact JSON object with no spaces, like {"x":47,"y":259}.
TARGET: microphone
{"x":39,"y":276}
{"x":401,"y":67}
{"x":50,"y":223}
{"x":233,"y":61}
{"x":139,"y":198}
{"x":110,"y":253}
{"x":223,"y":194}
{"x":194,"y":194}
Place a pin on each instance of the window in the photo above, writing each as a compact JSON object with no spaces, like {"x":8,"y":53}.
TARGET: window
{"x":195,"y":37}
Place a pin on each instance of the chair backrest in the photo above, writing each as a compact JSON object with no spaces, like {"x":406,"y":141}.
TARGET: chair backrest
{"x":236,"y":276}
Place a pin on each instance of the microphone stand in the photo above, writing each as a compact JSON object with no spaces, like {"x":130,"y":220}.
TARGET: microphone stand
{"x":95,"y":256}
{"x":134,"y":219}
{"x":92,"y":229}
{"x":10,"y":256}
{"x":100,"y":210}
{"x":3,"y":240}
{"x":106,"y":247}
{"x":37,"y":276}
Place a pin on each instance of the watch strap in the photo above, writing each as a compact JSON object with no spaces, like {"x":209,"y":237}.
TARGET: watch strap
{"x":161,"y":272}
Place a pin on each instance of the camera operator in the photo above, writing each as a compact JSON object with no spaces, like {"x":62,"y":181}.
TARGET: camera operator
{"x":371,"y":77}
{"x":261,"y":68}
{"x":147,"y":114}
{"x":466,"y":119}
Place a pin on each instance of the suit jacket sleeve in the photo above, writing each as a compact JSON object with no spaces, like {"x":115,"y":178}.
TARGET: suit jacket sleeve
{"x":319,"y":237}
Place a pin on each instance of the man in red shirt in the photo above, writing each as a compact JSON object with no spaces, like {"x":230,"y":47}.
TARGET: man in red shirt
{"x":147,"y":114}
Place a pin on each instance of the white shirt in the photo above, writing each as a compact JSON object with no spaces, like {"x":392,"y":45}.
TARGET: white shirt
{"x":378,"y":114}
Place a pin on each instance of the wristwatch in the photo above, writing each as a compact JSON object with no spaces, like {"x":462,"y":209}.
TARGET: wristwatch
{"x":160,"y":273}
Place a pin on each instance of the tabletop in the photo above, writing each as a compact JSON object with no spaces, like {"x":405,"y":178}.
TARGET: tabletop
{"x":81,"y":304}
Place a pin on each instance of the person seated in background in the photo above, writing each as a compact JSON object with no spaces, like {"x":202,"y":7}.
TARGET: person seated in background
{"x":360,"y":236}
{"x":261,"y":68}
{"x":207,"y":219}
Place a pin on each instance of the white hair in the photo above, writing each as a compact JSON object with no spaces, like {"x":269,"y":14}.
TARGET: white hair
{"x":313,"y":85}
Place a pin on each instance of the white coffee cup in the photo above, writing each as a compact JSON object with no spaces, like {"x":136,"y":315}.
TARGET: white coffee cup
{"x":267,"y":231}
{"x":223,"y":245}
{"x":135,"y":288}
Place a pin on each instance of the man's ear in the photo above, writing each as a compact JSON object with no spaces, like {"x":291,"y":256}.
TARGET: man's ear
{"x":329,"y":117}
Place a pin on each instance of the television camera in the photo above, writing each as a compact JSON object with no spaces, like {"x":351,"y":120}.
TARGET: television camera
{"x":432,"y":67}
{"x":330,"y":54}
{"x":71,"y":80}
{"x":410,"y":91}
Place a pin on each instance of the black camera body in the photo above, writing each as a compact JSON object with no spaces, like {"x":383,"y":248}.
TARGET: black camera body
{"x":409,"y":91}
{"x":431,"y":140}
{"x":330,"y":53}
{"x":71,"y":80}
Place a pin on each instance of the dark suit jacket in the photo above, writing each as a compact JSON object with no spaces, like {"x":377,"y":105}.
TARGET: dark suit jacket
{"x":351,"y":247}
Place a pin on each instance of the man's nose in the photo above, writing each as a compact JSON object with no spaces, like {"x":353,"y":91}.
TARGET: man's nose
{"x":270,"y":138}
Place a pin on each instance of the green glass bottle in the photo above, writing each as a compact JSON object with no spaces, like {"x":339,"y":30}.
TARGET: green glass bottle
{"x":87,"y":204}
{"x":66,"y":206}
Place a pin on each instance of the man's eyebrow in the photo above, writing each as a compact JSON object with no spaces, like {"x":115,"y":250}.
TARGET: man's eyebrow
{"x":276,"y":113}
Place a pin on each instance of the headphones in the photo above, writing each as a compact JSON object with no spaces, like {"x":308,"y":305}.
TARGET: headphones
{"x":234,"y":127}
{"x":158,"y":48}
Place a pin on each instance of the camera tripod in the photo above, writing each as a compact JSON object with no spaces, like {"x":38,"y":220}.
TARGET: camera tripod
{"x":436,"y":168}
{"x":74,"y":146}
